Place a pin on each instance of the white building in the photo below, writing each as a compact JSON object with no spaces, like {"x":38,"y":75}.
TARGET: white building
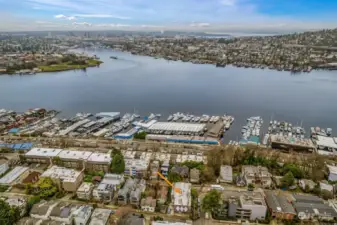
{"x":136,"y":167}
{"x":98,"y":161}
{"x":103,"y":192}
{"x":257,"y":175}
{"x":148,"y":204}
{"x":226,"y":174}
{"x":82,"y":215}
{"x":14,"y":175}
{"x":85,"y":191}
{"x":42,"y":155}
{"x":332,"y":173}
{"x":177,"y":127}
{"x":66,"y":179}
{"x":100,"y":216}
{"x":116,"y":180}
{"x":18,"y":202}
{"x":168,"y":223}
{"x":181,"y":197}
{"x":256,"y":205}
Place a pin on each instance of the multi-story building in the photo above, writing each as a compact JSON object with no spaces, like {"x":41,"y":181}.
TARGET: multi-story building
{"x":73,"y":159}
{"x":165,"y":167}
{"x":67,"y":179}
{"x":136,"y":167}
{"x":279,"y":206}
{"x":84,"y":192}
{"x":116,"y":180}
{"x":154,"y":170}
{"x":82,"y":215}
{"x":226,"y":174}
{"x":257,"y":175}
{"x":181,"y":200}
{"x":123,"y":194}
{"x":148,"y":204}
{"x":41,"y":155}
{"x":103,"y":192}
{"x":98,"y":162}
{"x":3,"y":167}
{"x":100,"y":216}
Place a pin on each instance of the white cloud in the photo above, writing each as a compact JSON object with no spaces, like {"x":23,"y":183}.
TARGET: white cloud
{"x":102,"y":16}
{"x":112,"y":25}
{"x":61,"y":16}
{"x":82,"y":24}
{"x":200,"y":24}
{"x":151,"y":26}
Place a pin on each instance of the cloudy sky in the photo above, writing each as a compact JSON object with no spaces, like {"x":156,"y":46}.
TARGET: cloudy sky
{"x":190,"y":15}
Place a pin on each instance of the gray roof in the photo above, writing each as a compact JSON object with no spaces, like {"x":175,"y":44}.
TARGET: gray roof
{"x":280,"y":202}
{"x":307,"y":198}
{"x":41,"y":208}
{"x":182,"y":170}
{"x":62,"y":210}
{"x":132,"y":219}
{"x":286,"y":206}
{"x":310,"y":207}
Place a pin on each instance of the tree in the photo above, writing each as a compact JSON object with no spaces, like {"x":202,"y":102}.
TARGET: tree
{"x":8,"y":215}
{"x":140,"y":135}
{"x":174,"y":177}
{"x":44,"y":188}
{"x":287,"y":180}
{"x":207,"y":174}
{"x":31,"y":201}
{"x":326,"y":194}
{"x":194,"y":206}
{"x":296,"y":171}
{"x":251,"y":186}
{"x":211,"y":200}
{"x":118,"y":164}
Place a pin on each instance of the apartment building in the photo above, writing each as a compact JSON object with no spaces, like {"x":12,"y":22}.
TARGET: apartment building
{"x":257,"y":175}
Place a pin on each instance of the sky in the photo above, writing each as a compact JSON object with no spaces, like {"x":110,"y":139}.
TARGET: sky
{"x":214,"y":16}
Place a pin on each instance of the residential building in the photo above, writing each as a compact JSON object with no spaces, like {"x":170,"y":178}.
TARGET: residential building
{"x":18,"y":202}
{"x":84,"y":192}
{"x":165,"y":167}
{"x":98,"y":162}
{"x":310,"y":207}
{"x":168,"y":223}
{"x":195,"y":176}
{"x":82,"y":215}
{"x":73,"y":159}
{"x":42,"y":209}
{"x":31,"y":178}
{"x":183,"y":171}
{"x":148,"y":204}
{"x":41,"y":155}
{"x":162,"y":193}
{"x":332,"y":173}
{"x":248,"y":205}
{"x":15,"y":175}
{"x":3,"y":167}
{"x":103,"y":192}
{"x":324,"y":185}
{"x":67,"y":179}
{"x":132,"y":219}
{"x":303,"y":183}
{"x":154,"y":168}
{"x":100,"y":216}
{"x":63,"y":212}
{"x":257,"y":175}
{"x":115,"y":180}
{"x":136,"y":167}
{"x":123,"y":193}
{"x":279,"y":206}
{"x":181,"y":200}
{"x":135,"y":196}
{"x":226,"y":174}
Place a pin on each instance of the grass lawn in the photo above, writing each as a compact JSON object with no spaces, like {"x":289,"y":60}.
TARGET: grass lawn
{"x":68,"y":66}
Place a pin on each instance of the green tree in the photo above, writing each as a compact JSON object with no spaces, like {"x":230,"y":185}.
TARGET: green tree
{"x":140,"y":135}
{"x":44,"y":188}
{"x":325,"y":194}
{"x":118,"y":164}
{"x":295,"y":170}
{"x":174,"y":177}
{"x":287,"y":180}
{"x":9,"y":215}
{"x":194,"y":207}
{"x":31,"y":201}
{"x":211,"y":200}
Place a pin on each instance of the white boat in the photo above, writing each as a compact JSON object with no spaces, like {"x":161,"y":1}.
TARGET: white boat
{"x":227,"y":126}
{"x":170,"y":118}
{"x":158,"y":115}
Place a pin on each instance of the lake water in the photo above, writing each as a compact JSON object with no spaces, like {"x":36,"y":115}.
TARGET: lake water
{"x":159,"y":86}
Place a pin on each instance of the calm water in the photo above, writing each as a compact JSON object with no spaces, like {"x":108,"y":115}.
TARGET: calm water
{"x":158,"y":86}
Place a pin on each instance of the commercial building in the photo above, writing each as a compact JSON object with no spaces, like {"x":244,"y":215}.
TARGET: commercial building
{"x":100,"y":216}
{"x":181,"y":200}
{"x":257,"y":175}
{"x":14,"y":175}
{"x":136,"y":167}
{"x":326,"y":145}
{"x":67,"y":179}
{"x":310,"y":207}
{"x":294,"y":143}
{"x":279,"y":206}
{"x":98,"y":162}
{"x":193,"y":128}
{"x":73,"y":159}
{"x":245,"y":205}
{"x":226,"y":174}
{"x":41,"y":155}
{"x":84,"y":192}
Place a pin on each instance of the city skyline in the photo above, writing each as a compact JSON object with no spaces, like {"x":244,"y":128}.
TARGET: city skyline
{"x":191,"y":15}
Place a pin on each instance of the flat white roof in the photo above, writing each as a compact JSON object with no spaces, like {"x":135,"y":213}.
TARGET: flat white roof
{"x":332,"y":169}
{"x":183,"y":198}
{"x":70,"y":154}
{"x":139,"y":164}
{"x":100,"y":216}
{"x":326,"y":141}
{"x":44,"y":152}
{"x":100,"y":157}
{"x":13,"y":175}
{"x":64,"y":174}
{"x":186,"y":127}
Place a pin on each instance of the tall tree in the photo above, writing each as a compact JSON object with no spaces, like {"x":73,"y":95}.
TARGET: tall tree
{"x":118,"y":164}
{"x":8,"y":215}
{"x":211,"y":200}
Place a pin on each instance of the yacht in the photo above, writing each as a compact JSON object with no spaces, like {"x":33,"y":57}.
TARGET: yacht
{"x":227,"y":126}
{"x":170,"y":118}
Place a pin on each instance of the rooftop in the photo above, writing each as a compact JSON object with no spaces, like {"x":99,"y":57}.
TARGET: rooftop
{"x":332,"y":169}
{"x":168,"y":223}
{"x":139,"y":164}
{"x":85,"y":187}
{"x":43,"y":152}
{"x":183,"y":198}
{"x":99,"y":157}
{"x":64,"y":174}
{"x":13,"y":175}
{"x":326,"y":141}
{"x":16,"y":201}
{"x":170,"y":126}
{"x":112,"y":179}
{"x":100,"y":216}
{"x":292,"y":141}
{"x":78,"y":155}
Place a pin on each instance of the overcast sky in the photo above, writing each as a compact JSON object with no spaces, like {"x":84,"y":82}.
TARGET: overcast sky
{"x":185,"y":15}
